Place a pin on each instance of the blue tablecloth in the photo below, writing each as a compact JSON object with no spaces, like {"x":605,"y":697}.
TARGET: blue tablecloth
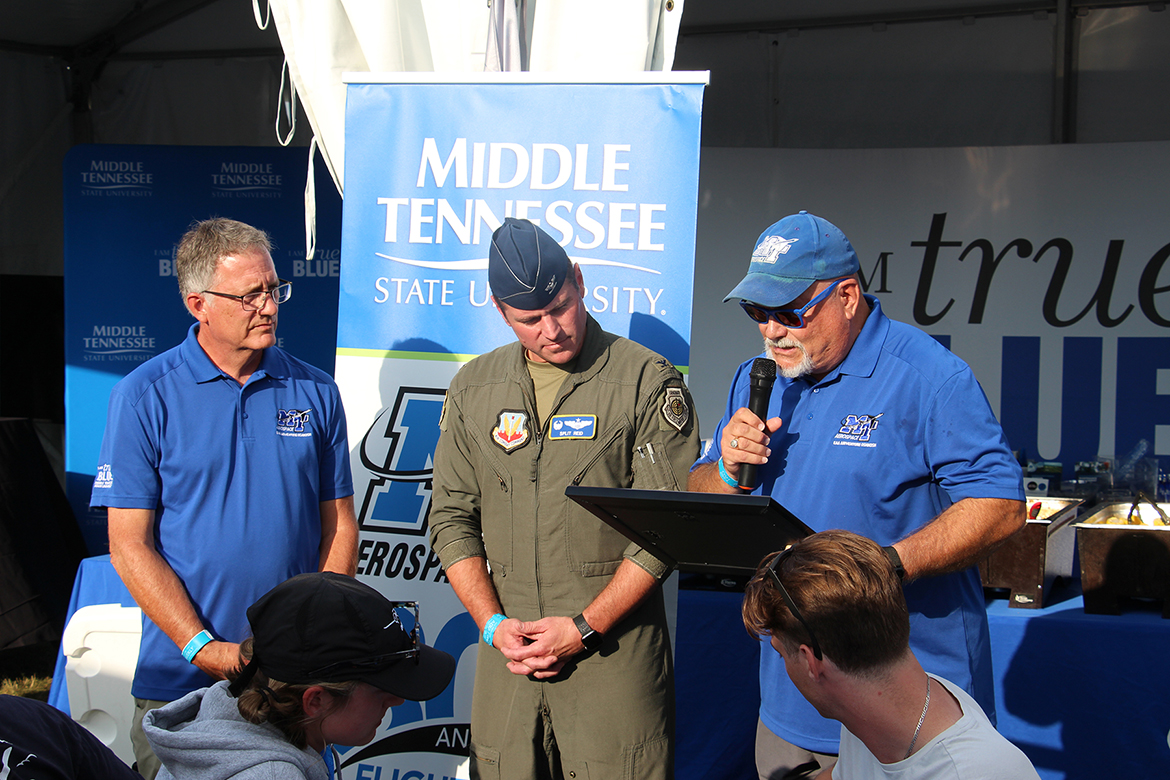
{"x":96,"y":583}
{"x":1087,"y":697}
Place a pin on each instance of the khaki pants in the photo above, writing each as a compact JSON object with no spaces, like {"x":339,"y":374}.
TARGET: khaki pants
{"x":776,"y":757}
{"x":145,"y":761}
{"x":600,"y":719}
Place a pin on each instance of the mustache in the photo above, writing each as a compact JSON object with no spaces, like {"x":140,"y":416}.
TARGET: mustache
{"x":784,"y":343}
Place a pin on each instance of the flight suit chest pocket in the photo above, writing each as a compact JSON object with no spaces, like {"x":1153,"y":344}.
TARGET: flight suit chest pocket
{"x":595,"y":549}
{"x":497,"y":507}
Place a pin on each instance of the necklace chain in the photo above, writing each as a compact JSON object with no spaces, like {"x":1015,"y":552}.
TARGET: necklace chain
{"x":921,"y":718}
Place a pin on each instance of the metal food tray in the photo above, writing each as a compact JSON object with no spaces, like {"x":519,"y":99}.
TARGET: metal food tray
{"x":1125,"y":554}
{"x":1031,"y":560}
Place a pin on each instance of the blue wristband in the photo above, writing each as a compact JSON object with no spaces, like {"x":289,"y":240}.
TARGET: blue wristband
{"x":723,"y":475}
{"x":195,"y":645}
{"x":489,"y":628}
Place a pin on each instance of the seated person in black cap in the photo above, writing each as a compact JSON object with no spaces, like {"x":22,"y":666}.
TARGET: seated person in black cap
{"x":328,"y":656}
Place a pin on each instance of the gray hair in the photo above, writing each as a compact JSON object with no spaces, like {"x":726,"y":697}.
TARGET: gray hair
{"x":206,"y":243}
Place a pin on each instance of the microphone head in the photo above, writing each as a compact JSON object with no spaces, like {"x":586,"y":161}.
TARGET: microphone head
{"x":764,"y":369}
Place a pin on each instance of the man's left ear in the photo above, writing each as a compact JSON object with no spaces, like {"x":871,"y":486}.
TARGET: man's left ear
{"x":196,"y":304}
{"x":815,"y":666}
{"x":853,"y":295}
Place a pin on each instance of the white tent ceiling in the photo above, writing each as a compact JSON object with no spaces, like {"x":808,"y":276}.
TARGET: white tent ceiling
{"x":784,"y":73}
{"x":787,"y":73}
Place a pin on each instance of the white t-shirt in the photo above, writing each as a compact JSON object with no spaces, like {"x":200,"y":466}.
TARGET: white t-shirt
{"x":971,"y":749}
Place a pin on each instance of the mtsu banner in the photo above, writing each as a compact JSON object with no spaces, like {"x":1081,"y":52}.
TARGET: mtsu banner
{"x":432,"y":169}
{"x":126,"y":207}
{"x":1044,"y":267}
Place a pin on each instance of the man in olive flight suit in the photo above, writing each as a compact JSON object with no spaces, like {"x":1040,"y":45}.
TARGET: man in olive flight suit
{"x":574,"y":675}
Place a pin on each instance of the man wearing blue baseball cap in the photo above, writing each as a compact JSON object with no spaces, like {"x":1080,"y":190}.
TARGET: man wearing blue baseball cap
{"x":872,"y":427}
{"x":574,"y":676}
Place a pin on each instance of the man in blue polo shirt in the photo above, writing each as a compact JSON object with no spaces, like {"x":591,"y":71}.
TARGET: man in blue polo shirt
{"x":873,"y":427}
{"x":224,"y":468}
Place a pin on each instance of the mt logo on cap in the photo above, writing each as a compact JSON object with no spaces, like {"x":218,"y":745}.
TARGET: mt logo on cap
{"x":792,"y":255}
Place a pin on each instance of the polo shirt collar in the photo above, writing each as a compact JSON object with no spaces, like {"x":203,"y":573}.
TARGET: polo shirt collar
{"x":204,"y":370}
{"x":863,"y":356}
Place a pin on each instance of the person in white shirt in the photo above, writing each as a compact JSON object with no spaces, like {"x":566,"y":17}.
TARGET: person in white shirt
{"x":832,"y":604}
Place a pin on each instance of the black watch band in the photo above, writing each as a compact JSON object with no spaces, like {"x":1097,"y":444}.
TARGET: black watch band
{"x":590,"y":638}
{"x":895,"y":559}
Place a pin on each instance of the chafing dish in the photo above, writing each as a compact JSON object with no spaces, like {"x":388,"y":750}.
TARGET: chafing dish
{"x":1030,"y":561}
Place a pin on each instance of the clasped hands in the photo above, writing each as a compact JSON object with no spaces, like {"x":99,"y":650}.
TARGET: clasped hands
{"x":539,"y":648}
{"x":745,"y":439}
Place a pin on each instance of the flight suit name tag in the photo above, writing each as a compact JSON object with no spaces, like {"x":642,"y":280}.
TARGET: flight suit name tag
{"x":572,"y":426}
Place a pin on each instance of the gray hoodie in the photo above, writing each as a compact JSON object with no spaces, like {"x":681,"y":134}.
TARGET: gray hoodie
{"x":203,"y":737}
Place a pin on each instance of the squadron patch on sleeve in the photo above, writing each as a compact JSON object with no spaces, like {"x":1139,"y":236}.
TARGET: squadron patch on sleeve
{"x":675,"y":410}
{"x":512,"y":431}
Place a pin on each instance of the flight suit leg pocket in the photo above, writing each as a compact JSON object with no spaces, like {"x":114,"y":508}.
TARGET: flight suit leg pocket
{"x":485,"y":763}
{"x":650,"y":760}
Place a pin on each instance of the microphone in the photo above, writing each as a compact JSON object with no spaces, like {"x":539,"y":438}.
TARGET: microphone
{"x":763,"y":376}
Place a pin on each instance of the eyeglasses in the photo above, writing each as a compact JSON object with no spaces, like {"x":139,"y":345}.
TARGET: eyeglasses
{"x":789,"y":318}
{"x":774,"y":568}
{"x":375,"y":662}
{"x":254,"y":301}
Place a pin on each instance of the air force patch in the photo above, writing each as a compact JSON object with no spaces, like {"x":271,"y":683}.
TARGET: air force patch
{"x":512,"y":431}
{"x":573,"y":426}
{"x":675,"y":410}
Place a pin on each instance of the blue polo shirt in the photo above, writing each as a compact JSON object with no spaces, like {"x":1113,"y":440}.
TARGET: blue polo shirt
{"x":235,"y":476}
{"x":880,"y":446}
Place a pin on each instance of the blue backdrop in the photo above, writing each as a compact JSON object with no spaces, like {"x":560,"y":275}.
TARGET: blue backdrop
{"x":126,"y":207}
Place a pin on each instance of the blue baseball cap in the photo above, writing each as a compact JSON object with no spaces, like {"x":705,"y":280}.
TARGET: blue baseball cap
{"x":526,"y":267}
{"x":792,"y":255}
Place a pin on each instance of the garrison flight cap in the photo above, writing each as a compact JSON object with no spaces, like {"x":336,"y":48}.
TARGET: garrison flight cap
{"x":326,"y":627}
{"x":792,"y":255}
{"x":526,"y":267}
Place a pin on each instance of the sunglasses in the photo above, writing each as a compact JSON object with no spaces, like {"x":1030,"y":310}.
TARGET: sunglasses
{"x":376,"y":662}
{"x":789,"y":318}
{"x":774,"y":569}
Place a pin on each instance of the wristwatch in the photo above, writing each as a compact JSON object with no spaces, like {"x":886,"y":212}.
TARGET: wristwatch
{"x":590,"y":638}
{"x":895,"y":559}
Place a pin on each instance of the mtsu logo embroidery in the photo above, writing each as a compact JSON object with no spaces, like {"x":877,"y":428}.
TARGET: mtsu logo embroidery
{"x":675,"y":410}
{"x":858,"y":427}
{"x":512,"y":431}
{"x":292,"y":421}
{"x":105,"y":477}
{"x":573,"y":426}
{"x":771,"y":247}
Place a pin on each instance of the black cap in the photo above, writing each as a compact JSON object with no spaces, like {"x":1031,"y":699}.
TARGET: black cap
{"x":526,"y":267}
{"x":326,"y":627}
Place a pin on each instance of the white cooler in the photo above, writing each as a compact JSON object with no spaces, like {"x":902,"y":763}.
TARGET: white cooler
{"x":100,"y":645}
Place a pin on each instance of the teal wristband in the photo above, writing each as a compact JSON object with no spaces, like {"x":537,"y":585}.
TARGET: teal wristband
{"x":489,"y":628}
{"x":195,"y":645}
{"x":723,"y":475}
